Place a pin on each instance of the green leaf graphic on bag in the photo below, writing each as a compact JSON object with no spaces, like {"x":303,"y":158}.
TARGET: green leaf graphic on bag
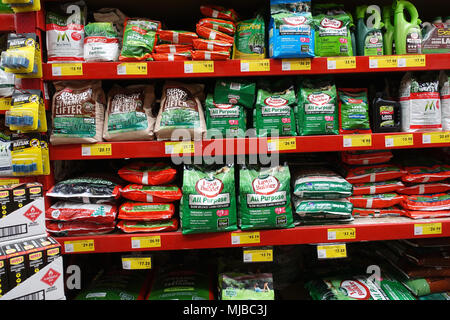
{"x":139,"y":39}
{"x":249,"y":40}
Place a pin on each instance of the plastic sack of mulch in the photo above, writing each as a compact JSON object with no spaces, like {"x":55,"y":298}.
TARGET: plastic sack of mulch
{"x":212,"y":45}
{"x":173,"y":48}
{"x":235,"y":91}
{"x":244,"y":286}
{"x":432,"y":202}
{"x":423,"y":214}
{"x":176,"y":36}
{"x":210,"y":34}
{"x":132,"y":226}
{"x":139,"y":39}
{"x":425,"y":286}
{"x":373,"y":173}
{"x":353,"y":111}
{"x":379,"y":213}
{"x":376,"y":201}
{"x":422,"y":174}
{"x":444,"y":91}
{"x":320,"y":183}
{"x":209,"y":199}
{"x":366,"y":157}
{"x":323,"y":209}
{"x":144,"y":211}
{"x":177,"y":56}
{"x":86,"y":212}
{"x":77,"y":228}
{"x":221,"y":25}
{"x":265,"y":197}
{"x":226,"y":120}
{"x":425,"y":188}
{"x":141,"y":193}
{"x":219,"y":12}
{"x":210,"y":55}
{"x":128,"y":114}
{"x":377,"y":187}
{"x":101,"y":42}
{"x":249,"y":39}
{"x":148,"y":173}
{"x":86,"y":190}
{"x":274,"y":113}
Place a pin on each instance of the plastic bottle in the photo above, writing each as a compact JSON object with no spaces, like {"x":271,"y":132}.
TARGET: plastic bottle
{"x":407,"y":34}
{"x":385,"y":114}
{"x":388,"y":37}
{"x":369,"y":38}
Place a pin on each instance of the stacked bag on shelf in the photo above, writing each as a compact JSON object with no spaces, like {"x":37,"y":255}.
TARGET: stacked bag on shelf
{"x":149,"y":198}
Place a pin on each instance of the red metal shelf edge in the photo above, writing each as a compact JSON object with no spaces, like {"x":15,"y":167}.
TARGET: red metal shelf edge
{"x":232,"y":68}
{"x":298,"y":235}
{"x":7,"y":22}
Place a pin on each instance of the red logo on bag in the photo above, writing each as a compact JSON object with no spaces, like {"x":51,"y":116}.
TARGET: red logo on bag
{"x":33,"y":213}
{"x":295,"y":21}
{"x":355,"y":289}
{"x":266,"y":185}
{"x":50,"y":277}
{"x":331,"y":23}
{"x":76,"y":36}
{"x":209,"y":187}
{"x":319,"y":98}
{"x":275,"y":101}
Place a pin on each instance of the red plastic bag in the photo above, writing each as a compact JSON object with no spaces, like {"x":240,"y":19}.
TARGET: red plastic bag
{"x":210,"y":55}
{"x":219,"y":12}
{"x":221,"y":25}
{"x":366,"y":157}
{"x":377,"y":187}
{"x":176,"y":37}
{"x":425,"y":188}
{"x":427,"y":214}
{"x":141,"y":193}
{"x":146,"y":211}
{"x":421,"y":174}
{"x":381,"y":212}
{"x":86,"y":212}
{"x":210,"y":34}
{"x":173,"y":48}
{"x":77,"y":228}
{"x":178,"y":56}
{"x":212,"y":45}
{"x":147,"y":226}
{"x":433,"y":202}
{"x":374,"y":173}
{"x":148,"y":173}
{"x":376,"y":201}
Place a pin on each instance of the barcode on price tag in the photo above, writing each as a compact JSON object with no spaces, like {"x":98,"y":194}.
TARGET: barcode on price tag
{"x":332,"y":251}
{"x":398,"y":140}
{"x":436,"y":137}
{"x":67,"y":69}
{"x":245,"y":237}
{"x":101,"y":149}
{"x":295,"y":64}
{"x":145,"y":242}
{"x":427,"y":228}
{"x":79,"y":246}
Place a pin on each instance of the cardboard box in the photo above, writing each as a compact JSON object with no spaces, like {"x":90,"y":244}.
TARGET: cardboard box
{"x":3,"y":276}
{"x":15,"y":264}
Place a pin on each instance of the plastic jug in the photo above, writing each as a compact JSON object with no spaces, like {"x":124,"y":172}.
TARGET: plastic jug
{"x":388,"y":37}
{"x":407,"y":34}
{"x":369,"y":37}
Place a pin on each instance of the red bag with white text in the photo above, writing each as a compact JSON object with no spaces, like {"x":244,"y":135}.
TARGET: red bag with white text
{"x":366,"y":157}
{"x":141,"y":193}
{"x":176,"y":37}
{"x":148,"y":226}
{"x":221,"y":25}
{"x":172,"y":48}
{"x":433,"y":202}
{"x":219,"y":12}
{"x":376,"y":201}
{"x":427,"y":214}
{"x":425,"y":188}
{"x":212,"y":45}
{"x":146,"y":211}
{"x":377,"y":187}
{"x":381,"y":212}
{"x":210,"y":34}
{"x":148,"y":173}
{"x":77,"y":228}
{"x":177,"y":56}
{"x":421,"y":174}
{"x":210,"y":55}
{"x":373,"y":173}
{"x":87,"y":212}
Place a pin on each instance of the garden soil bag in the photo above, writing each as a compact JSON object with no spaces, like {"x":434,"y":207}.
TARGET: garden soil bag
{"x":373,"y":173}
{"x":86,"y":212}
{"x":249,"y":39}
{"x":77,"y":228}
{"x":209,"y":199}
{"x":319,"y":183}
{"x":425,"y":188}
{"x":353,"y":111}
{"x":129,"y":113}
{"x":381,"y":212}
{"x":317,"y":112}
{"x":132,"y":226}
{"x":144,"y":211}
{"x":139,"y":39}
{"x":78,"y":111}
{"x":235,"y":91}
{"x":101,"y":42}
{"x":212,"y":45}
{"x":265,"y":197}
{"x":420,"y":102}
{"x":423,"y":174}
{"x":444,"y":91}
{"x":432,"y":202}
{"x":148,"y":173}
{"x":176,"y":36}
{"x":141,"y":193}
{"x":377,"y":187}
{"x":181,"y":108}
{"x":366,"y":157}
{"x":376,"y":201}
{"x":219,"y":12}
{"x":225,"y":26}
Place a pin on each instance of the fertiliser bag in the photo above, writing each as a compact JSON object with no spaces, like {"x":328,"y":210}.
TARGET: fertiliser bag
{"x":132,"y":226}
{"x":219,"y":12}
{"x":353,"y":111}
{"x":377,"y":187}
{"x":249,"y":39}
{"x":177,"y":56}
{"x":77,"y":228}
{"x":376,"y":201}
{"x":322,"y":209}
{"x":144,"y":211}
{"x":366,"y":157}
{"x":373,"y":173}
{"x":139,"y":39}
{"x":176,"y":36}
{"x":235,"y":91}
{"x":86,"y":212}
{"x":148,"y":173}
{"x":212,"y":45}
{"x":423,"y":174}
{"x":226,"y":120}
{"x":173,"y":48}
{"x":101,"y":42}
{"x":379,"y":212}
{"x":137,"y":192}
{"x":432,"y":202}
{"x":210,"y":55}
{"x":425,"y":188}
{"x":221,"y":25}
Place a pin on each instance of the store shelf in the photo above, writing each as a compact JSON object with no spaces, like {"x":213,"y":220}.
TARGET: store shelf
{"x":362,"y":229}
{"x":7,"y":22}
{"x":160,"y":149}
{"x":233,"y":68}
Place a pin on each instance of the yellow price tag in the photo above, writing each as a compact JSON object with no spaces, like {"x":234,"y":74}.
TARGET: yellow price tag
{"x":5,"y":104}
{"x":136,"y":263}
{"x":357,"y":140}
{"x":265,"y":255}
{"x":398,"y":140}
{"x":132,"y":68}
{"x":4,"y":182}
{"x":99,"y":149}
{"x":245,"y":237}
{"x":67,"y":69}
{"x":281,"y":144}
{"x":427,"y":228}
{"x":146,"y":242}
{"x":255,"y":65}
{"x":341,"y":63}
{"x":331,"y":251}
{"x":436,"y":137}
{"x":295,"y":64}
{"x":411,"y":61}
{"x":341,"y":234}
{"x":198,"y":66}
{"x":79,"y":246}
{"x":383,"y":62}
{"x":179,"y":147}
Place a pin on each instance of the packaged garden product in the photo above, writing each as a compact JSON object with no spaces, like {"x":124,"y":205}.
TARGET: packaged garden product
{"x":243,"y":286}
{"x":274,"y":112}
{"x":444,"y":91}
{"x":432,"y":202}
{"x":101,"y":42}
{"x":425,"y":188}
{"x":373,"y":173}
{"x":177,"y":56}
{"x":249,"y":39}
{"x":86,"y":212}
{"x":173,"y":48}
{"x":141,"y":193}
{"x":291,"y":31}
{"x":210,"y":34}
{"x":181,"y":108}
{"x":129,"y":113}
{"x":210,"y":55}
{"x":377,"y":187}
{"x":422,"y":174}
{"x":131,"y":226}
{"x":112,"y":15}
{"x":265,"y":197}
{"x":420,"y":103}
{"x":77,"y":228}
{"x":77,"y":112}
{"x":366,"y":157}
{"x":235,"y":91}
{"x":379,"y":212}
{"x":377,"y":201}
{"x":139,"y":39}
{"x":212,"y":45}
{"x":317,"y":112}
{"x":86,"y":189}
{"x":227,"y":120}
{"x":144,"y":211}
{"x":65,"y":31}
{"x":219,"y":12}
{"x":221,"y":25}
{"x":353,"y":111}
{"x":323,"y":209}
{"x":7,"y":81}
{"x":320,"y":183}
{"x":424,"y":214}
{"x":148,"y":173}
{"x":209,"y":199}
{"x":176,"y":36}
{"x":428,"y":285}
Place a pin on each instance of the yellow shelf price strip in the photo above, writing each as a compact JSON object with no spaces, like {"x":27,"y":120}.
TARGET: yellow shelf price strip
{"x":198,"y":66}
{"x":136,"y":263}
{"x":79,"y":246}
{"x":332,"y":251}
{"x":67,"y":69}
{"x":336,"y":63}
{"x":245,"y":237}
{"x":146,"y":242}
{"x":281,"y":144}
{"x":99,"y":149}
{"x":295,"y":64}
{"x":409,"y":61}
{"x":5,"y":104}
{"x":258,"y":255}
{"x":398,"y":140}
{"x":179,"y":147}
{"x":255,"y":65}
{"x":357,"y":140}
{"x":427,"y":228}
{"x":383,"y":62}
{"x":436,"y":137}
{"x":341,"y":234}
{"x":132,"y":68}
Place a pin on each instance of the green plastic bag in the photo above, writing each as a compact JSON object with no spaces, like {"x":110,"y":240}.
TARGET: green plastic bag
{"x":249,"y":39}
{"x":265,"y":197}
{"x":226,"y":120}
{"x":209,"y":199}
{"x":312,"y":211}
{"x":354,"y":111}
{"x":235,"y":91}
{"x":139,"y":39}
